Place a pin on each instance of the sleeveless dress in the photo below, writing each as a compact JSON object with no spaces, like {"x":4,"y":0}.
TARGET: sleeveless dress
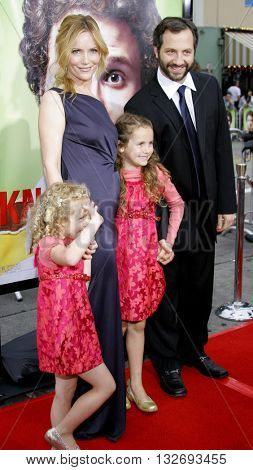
{"x":88,"y":156}
{"x":141,"y":276}
{"x":67,"y":340}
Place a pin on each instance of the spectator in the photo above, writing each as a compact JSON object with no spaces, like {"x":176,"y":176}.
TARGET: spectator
{"x":235,"y":92}
{"x":228,"y":101}
{"x":246,"y":99}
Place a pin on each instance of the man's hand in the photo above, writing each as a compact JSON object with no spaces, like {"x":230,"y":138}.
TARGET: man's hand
{"x":224,"y":222}
{"x":165,"y":252}
{"x":90,"y":250}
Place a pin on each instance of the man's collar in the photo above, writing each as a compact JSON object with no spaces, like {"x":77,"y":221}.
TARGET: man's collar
{"x":170,"y":86}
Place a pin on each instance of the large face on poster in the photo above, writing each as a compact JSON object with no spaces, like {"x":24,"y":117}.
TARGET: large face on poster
{"x":27,"y":41}
{"x":126,"y":28}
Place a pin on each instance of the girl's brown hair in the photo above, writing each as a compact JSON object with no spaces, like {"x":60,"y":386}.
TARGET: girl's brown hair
{"x":51,"y":212}
{"x":126,"y":125}
{"x":69,"y":30}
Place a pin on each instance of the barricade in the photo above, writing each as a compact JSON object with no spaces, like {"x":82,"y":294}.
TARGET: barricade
{"x":238,"y":310}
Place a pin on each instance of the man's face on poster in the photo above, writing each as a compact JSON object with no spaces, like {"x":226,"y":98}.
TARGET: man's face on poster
{"x":122,"y":78}
{"x":249,"y":123}
{"x":176,"y":55}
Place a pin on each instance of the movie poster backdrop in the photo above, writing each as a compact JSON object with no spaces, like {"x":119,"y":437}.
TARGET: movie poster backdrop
{"x":27,"y":34}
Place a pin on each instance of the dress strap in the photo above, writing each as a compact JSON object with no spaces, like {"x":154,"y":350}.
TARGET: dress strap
{"x":59,"y":91}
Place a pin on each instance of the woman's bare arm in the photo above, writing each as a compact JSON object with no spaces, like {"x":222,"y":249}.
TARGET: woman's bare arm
{"x":51,"y":130}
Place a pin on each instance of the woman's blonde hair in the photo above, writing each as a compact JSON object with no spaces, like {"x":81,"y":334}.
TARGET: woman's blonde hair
{"x":126,"y":125}
{"x":69,"y":30}
{"x":51,"y":212}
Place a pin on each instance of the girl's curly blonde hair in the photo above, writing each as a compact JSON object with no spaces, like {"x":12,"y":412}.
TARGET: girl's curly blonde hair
{"x":51,"y":212}
{"x":126,"y":125}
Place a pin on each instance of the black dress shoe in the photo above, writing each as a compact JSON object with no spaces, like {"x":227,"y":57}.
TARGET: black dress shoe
{"x":207,"y":367}
{"x":172,"y":383}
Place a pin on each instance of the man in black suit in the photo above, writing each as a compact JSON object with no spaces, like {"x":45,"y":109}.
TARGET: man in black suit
{"x":192,"y":137}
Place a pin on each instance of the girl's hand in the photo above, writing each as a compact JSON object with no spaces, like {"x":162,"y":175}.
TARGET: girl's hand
{"x":96,"y":218}
{"x":90,"y":250}
{"x":165,"y":252}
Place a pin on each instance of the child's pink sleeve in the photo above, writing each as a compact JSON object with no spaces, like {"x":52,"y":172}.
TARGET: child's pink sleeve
{"x":45,"y":246}
{"x":175,"y":203}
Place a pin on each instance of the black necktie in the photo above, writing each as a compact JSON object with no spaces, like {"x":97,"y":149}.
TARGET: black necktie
{"x":192,"y":137}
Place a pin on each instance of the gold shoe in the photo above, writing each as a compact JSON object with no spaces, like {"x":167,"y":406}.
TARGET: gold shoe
{"x":147,"y":405}
{"x":55,"y":440}
{"x":128,"y":404}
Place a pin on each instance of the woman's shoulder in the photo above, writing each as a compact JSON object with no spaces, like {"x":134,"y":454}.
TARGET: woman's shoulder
{"x":51,"y":104}
{"x":50,"y":96}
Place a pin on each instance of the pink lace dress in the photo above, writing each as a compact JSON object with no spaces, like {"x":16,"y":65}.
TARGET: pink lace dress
{"x":67,"y":340}
{"x":141,"y":277}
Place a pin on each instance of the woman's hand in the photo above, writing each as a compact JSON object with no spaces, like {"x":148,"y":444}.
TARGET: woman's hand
{"x":165,"y":252}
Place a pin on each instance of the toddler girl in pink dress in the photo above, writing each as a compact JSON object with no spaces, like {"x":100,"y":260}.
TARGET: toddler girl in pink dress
{"x":63,"y":224}
{"x":144,"y":181}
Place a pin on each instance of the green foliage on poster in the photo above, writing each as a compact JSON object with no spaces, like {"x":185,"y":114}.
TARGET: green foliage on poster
{"x":170,"y":7}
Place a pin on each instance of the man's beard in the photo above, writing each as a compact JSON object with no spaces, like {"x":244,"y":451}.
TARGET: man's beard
{"x":171,"y":75}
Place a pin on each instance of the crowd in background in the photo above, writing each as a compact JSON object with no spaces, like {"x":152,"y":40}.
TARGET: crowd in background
{"x":240,"y":109}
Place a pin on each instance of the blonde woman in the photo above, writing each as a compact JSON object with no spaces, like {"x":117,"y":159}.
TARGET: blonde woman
{"x":78,"y":143}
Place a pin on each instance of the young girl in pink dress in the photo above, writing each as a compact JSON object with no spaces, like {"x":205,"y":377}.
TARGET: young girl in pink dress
{"x":144,"y":181}
{"x":63,"y":224}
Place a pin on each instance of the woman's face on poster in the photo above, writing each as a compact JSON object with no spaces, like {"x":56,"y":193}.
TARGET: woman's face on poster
{"x":122,"y":77}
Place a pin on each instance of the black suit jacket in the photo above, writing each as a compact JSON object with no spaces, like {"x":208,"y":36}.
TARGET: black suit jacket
{"x":173,"y":147}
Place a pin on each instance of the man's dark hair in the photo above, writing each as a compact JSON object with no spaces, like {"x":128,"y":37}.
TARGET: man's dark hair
{"x":174,"y":25}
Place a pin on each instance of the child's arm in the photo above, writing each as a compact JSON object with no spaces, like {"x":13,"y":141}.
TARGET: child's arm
{"x":87,"y":270}
{"x":175,"y":203}
{"x":70,"y":255}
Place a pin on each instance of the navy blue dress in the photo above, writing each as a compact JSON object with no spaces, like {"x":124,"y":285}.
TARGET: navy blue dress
{"x":88,"y":156}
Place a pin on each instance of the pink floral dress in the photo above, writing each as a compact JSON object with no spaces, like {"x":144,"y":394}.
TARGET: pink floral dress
{"x":141,"y":277}
{"x":67,"y":340}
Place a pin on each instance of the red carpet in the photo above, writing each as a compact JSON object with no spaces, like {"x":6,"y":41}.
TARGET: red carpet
{"x":216,"y":414}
